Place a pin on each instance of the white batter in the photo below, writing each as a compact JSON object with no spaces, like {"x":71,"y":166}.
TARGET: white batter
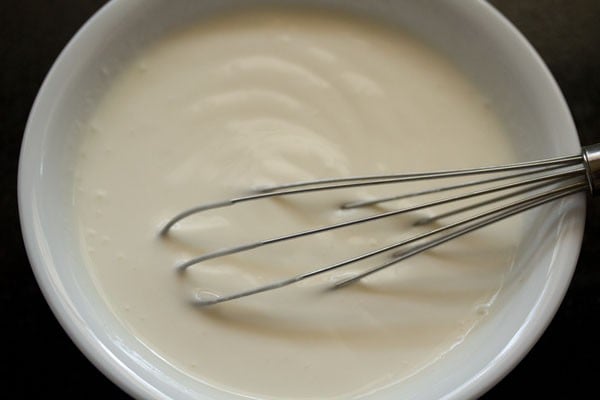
{"x":272,"y":97}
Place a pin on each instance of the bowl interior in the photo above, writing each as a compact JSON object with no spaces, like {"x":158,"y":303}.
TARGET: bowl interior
{"x":479,"y":40}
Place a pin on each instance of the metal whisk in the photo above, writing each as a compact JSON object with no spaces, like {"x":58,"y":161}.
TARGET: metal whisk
{"x":539,"y":182}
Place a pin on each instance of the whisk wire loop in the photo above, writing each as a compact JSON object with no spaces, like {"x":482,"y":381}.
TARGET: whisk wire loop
{"x":539,"y":182}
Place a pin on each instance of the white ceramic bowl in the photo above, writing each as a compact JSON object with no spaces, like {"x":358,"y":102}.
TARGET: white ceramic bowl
{"x":471,"y":33}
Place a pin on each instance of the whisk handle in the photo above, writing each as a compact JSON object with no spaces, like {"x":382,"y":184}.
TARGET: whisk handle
{"x":591,"y":161}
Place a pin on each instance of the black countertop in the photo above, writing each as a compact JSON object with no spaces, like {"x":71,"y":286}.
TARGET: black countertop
{"x":39,"y":360}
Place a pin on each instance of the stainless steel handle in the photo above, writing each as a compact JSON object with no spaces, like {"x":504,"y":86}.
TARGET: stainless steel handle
{"x":591,"y":160}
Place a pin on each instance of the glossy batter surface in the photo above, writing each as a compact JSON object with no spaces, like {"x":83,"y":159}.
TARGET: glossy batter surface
{"x":271,"y":97}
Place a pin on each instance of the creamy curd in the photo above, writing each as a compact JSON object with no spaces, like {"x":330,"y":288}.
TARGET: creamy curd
{"x":267,"y":97}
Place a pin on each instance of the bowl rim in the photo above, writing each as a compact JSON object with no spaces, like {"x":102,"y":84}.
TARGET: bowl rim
{"x":83,"y":338}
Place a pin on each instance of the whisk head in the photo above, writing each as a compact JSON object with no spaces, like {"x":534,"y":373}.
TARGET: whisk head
{"x":498,"y":192}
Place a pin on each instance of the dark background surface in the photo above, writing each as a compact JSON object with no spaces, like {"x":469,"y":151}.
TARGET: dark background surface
{"x":39,"y":360}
